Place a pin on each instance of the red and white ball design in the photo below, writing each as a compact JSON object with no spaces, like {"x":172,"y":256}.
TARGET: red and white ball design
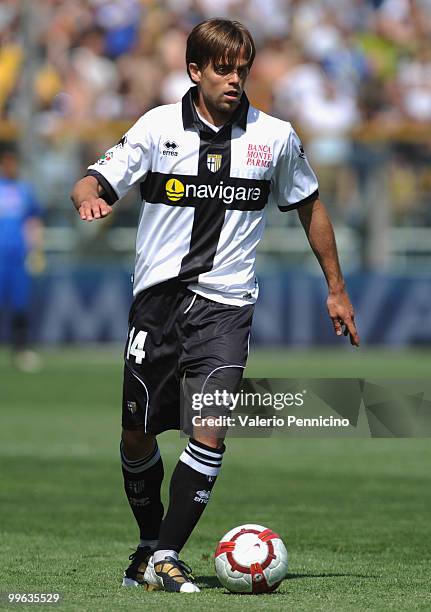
{"x":251,"y":559}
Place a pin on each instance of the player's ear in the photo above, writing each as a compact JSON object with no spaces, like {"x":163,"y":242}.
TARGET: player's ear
{"x":195,"y":72}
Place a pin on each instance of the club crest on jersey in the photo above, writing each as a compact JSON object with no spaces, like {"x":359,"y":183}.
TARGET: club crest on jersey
{"x":214,"y":161}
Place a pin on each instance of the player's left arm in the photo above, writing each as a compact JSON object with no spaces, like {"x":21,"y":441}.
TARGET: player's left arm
{"x":320,"y":234}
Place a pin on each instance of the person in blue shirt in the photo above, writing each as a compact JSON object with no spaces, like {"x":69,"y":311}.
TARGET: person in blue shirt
{"x":21,"y":232}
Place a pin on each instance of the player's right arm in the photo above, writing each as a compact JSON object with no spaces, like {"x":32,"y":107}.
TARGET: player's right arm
{"x":86,"y":196}
{"x":114,"y":174}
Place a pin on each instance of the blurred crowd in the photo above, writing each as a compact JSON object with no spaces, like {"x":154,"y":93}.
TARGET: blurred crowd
{"x":329,"y":66}
{"x":327,"y":63}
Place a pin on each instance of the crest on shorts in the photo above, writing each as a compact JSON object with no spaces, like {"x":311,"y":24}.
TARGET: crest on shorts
{"x":214,"y":161}
{"x":132,"y":407}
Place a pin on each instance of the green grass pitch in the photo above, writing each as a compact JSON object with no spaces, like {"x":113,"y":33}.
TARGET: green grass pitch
{"x":354,"y":513}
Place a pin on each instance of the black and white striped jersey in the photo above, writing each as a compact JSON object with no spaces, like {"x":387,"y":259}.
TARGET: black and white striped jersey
{"x":204,"y":192}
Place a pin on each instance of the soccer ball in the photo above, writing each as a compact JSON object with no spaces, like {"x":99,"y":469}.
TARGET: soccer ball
{"x":251,"y":559}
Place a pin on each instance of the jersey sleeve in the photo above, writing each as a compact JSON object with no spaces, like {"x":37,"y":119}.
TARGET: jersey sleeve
{"x":294,"y":182}
{"x":124,"y":164}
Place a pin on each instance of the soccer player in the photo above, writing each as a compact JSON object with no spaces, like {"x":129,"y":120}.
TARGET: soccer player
{"x":20,"y":232}
{"x":207,"y":167}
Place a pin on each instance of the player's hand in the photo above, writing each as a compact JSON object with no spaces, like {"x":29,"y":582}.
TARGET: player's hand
{"x":94,"y":208}
{"x":342,"y":315}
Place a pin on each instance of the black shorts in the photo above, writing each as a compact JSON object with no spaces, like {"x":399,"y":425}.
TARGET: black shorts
{"x":176,"y":334}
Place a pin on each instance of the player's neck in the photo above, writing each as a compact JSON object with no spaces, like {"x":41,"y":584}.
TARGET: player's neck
{"x":211,"y":115}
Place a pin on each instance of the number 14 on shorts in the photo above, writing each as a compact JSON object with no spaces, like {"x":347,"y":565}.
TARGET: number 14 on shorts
{"x":136,"y":345}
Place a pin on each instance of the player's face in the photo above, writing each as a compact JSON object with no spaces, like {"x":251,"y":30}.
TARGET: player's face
{"x":220,"y":87}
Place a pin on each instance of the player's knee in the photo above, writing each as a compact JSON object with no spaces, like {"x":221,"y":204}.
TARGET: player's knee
{"x":137,"y":443}
{"x":211,"y":437}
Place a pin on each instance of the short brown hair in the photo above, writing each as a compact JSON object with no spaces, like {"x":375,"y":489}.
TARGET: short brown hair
{"x":219,"y":40}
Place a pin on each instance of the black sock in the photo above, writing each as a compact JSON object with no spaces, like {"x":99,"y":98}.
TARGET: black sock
{"x":190,"y":488}
{"x":142,"y":481}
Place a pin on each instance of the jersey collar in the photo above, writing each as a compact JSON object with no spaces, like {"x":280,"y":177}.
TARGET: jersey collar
{"x":191,"y":118}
